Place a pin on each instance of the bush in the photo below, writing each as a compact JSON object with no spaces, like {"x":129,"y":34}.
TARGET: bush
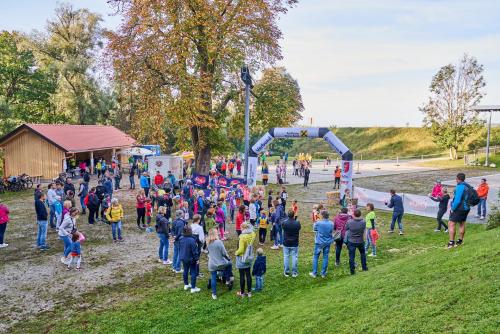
{"x":493,"y":218}
{"x":324,"y":155}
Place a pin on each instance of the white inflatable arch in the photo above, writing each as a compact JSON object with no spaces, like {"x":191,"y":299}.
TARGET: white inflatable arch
{"x":325,"y":133}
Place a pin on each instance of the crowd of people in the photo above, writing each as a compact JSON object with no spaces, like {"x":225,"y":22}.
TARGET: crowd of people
{"x":193,"y":222}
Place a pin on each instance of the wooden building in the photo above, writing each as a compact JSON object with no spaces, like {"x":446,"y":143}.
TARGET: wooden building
{"x":43,"y":150}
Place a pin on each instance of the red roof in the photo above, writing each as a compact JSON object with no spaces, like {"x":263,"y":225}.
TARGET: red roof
{"x":80,"y":138}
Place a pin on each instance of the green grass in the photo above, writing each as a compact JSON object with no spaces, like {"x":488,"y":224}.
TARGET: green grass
{"x":414,"y":286}
{"x":388,"y":142}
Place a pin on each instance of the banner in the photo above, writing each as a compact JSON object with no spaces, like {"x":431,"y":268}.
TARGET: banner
{"x":223,"y":181}
{"x":252,"y":172}
{"x":296,"y":132}
{"x":413,"y":204}
{"x":346,"y":176}
{"x":200,"y":181}
{"x":262,"y":143}
{"x":236,"y":182}
{"x":335,"y":143}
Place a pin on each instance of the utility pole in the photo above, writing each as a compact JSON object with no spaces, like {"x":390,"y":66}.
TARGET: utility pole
{"x":247,"y":79}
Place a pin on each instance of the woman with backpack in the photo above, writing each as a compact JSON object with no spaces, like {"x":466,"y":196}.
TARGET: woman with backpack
{"x":82,"y":193}
{"x":114,"y":214}
{"x":67,"y":227}
{"x":244,"y":258}
{"x":92,"y":203}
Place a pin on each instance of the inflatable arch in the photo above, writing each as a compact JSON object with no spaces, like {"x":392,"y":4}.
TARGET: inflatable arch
{"x":325,"y":133}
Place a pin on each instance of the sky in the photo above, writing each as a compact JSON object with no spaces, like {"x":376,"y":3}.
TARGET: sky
{"x":358,"y":62}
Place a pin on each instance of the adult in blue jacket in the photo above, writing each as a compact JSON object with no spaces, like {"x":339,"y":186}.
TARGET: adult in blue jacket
{"x":322,"y":241}
{"x":108,"y":185}
{"x":189,"y":256}
{"x":459,"y":210}
{"x":144,"y":182}
{"x":177,"y":229}
{"x":398,"y":211}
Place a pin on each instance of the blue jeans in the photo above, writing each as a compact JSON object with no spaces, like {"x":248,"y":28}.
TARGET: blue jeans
{"x":116,"y":227}
{"x":325,"y":248}
{"x":42,"y":233}
{"x":52,"y":215}
{"x":132,"y":182}
{"x":259,"y":283}
{"x":352,"y":254}
{"x":163,"y":250}
{"x":189,"y":267}
{"x":292,"y":252}
{"x":278,"y":235}
{"x":67,"y":244}
{"x":176,"y":261}
{"x":481,"y":207}
{"x":369,"y":242}
{"x":397,"y":217}
{"x":82,"y":199}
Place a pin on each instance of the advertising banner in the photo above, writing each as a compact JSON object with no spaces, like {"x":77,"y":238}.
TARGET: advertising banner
{"x":346,"y":176}
{"x":252,"y":171}
{"x":296,"y":132}
{"x":200,"y":181}
{"x":413,"y":204}
{"x":223,"y":181}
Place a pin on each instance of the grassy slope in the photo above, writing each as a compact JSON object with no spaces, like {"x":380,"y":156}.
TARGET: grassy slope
{"x":377,"y":142}
{"x":405,"y":290}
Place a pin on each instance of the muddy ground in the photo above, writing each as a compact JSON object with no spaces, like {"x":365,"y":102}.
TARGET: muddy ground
{"x":32,"y":282}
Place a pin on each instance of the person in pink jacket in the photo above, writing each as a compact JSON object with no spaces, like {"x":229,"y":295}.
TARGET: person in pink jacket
{"x":220,"y":218}
{"x":340,"y":222}
{"x":4,"y":219}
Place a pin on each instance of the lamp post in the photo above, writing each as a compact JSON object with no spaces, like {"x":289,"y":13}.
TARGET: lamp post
{"x":247,"y":79}
{"x":490,"y":109}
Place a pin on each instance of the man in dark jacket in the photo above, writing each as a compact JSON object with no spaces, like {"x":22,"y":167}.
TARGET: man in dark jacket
{"x":100,"y":191}
{"x":108,"y":185}
{"x":41,"y":218}
{"x":86,"y":176}
{"x":189,"y":256}
{"x":398,"y":211}
{"x":307,"y":171}
{"x":356,"y":230}
{"x":68,"y":185}
{"x":291,"y":229}
{"x":177,"y":229}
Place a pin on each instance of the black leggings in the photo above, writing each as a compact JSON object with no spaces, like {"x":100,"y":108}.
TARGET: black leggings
{"x":440,"y":221}
{"x":141,"y":216}
{"x":262,"y":235}
{"x":243,"y":273}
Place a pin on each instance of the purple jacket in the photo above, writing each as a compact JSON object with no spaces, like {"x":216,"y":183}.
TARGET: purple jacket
{"x":340,"y":223}
{"x":219,"y":216}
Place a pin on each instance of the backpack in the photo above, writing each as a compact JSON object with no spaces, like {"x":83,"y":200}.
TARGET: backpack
{"x":247,"y":257}
{"x":472,"y":198}
{"x":86,"y":200}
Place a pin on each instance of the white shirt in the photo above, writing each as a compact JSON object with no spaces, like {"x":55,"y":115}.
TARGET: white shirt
{"x":198,"y":230}
{"x":252,"y":208}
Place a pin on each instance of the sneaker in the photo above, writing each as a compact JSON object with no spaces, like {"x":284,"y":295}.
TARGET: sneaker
{"x":294,"y":275}
{"x":451,"y":244}
{"x":195,"y":290}
{"x":178,"y":271}
{"x":476,"y":216}
{"x":446,"y":231}
{"x":323,"y":276}
{"x":121,"y":240}
{"x":400,"y":232}
{"x":372,"y":255}
{"x":275,"y":247}
{"x":205,"y":251}
{"x":165,"y":262}
{"x":187,"y":287}
{"x":63,"y":260}
{"x":3,"y":245}
{"x":482,"y":218}
{"x":337,"y":264}
{"x":390,"y":231}
{"x":459,"y":242}
{"x":436,"y":230}
{"x":286,"y":274}
{"x":160,"y":261}
{"x":45,"y":247}
{"x":240,"y":294}
{"x":168,"y":261}
{"x":281,"y":246}
{"x":214,"y":297}
{"x":249,"y":295}
{"x":313,"y":275}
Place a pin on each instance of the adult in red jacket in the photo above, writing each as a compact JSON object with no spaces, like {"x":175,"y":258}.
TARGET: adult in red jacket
{"x":158,"y":179}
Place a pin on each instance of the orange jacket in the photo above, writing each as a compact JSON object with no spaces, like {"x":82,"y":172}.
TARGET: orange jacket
{"x":338,"y":173}
{"x":482,"y":190}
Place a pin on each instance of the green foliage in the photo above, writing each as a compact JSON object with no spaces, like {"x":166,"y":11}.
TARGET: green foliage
{"x":493,"y":218}
{"x":454,"y":91}
{"x":25,"y":88}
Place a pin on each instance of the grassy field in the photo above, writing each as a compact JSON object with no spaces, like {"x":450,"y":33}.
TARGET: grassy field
{"x":388,"y":142}
{"x":406,"y":290}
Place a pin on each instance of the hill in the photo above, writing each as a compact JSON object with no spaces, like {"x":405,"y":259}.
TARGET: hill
{"x":388,"y":142}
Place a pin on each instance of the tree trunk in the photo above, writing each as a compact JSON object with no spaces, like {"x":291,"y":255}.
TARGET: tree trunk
{"x":451,"y":153}
{"x":202,"y":152}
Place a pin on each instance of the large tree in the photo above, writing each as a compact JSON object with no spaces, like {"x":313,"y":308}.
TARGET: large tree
{"x":70,"y":46}
{"x":25,"y":87}
{"x":183,"y":57}
{"x":455,"y":89}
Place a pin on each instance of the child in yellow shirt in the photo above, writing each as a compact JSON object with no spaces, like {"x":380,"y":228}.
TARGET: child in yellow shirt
{"x":263,"y":224}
